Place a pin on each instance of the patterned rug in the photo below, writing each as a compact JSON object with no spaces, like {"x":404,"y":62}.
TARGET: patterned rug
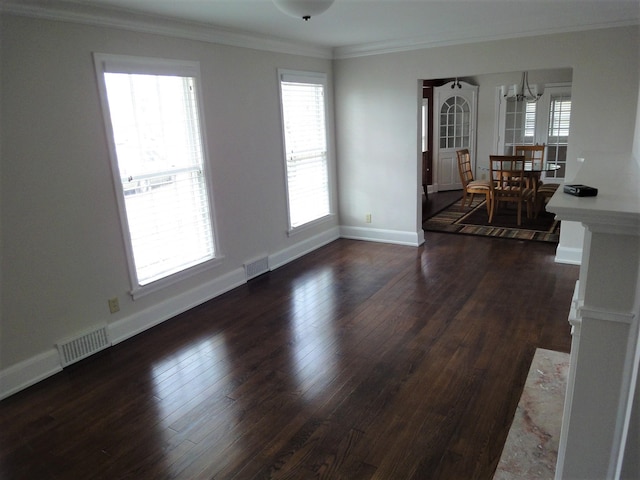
{"x":531,"y":449}
{"x":474,"y":220}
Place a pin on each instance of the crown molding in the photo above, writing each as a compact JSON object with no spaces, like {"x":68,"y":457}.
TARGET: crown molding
{"x":407,"y":45}
{"x":136,"y":22}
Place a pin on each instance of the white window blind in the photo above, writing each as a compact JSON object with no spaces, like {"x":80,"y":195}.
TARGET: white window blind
{"x":530,"y":122}
{"x":560,"y":116}
{"x":558,"y":134}
{"x":160,"y":164}
{"x":303,"y":116}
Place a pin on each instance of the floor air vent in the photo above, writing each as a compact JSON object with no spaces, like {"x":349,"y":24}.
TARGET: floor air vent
{"x":256,"y":268}
{"x":81,"y":347}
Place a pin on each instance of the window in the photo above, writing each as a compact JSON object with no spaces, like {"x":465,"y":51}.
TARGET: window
{"x":455,"y":123}
{"x":158,"y":159}
{"x":305,"y":142}
{"x":520,"y":123}
{"x":558,"y":135}
{"x":546,"y":121}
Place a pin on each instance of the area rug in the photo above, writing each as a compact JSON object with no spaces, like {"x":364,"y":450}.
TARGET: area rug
{"x":474,"y":221}
{"x":531,"y":449}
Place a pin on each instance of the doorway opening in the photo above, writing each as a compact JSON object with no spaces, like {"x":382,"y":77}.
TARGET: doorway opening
{"x":495,"y":123}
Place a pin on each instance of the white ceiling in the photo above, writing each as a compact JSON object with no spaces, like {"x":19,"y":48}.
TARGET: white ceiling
{"x":370,"y":26}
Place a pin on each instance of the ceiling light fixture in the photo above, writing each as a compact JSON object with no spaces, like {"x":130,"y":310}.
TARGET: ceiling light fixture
{"x":522,"y":91}
{"x":304,"y":9}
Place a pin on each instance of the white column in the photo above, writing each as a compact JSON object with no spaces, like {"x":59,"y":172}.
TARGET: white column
{"x":605,"y":346}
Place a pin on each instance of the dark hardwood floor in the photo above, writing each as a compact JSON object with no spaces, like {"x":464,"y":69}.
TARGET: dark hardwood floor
{"x":357,"y":361}
{"x":437,"y":202}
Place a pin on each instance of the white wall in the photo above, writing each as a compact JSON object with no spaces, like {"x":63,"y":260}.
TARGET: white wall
{"x":377,"y":122}
{"x":62,"y":254}
{"x":636,"y":141}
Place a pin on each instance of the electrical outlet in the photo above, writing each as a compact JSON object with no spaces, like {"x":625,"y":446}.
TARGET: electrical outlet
{"x":114,"y":305}
{"x":367,"y":218}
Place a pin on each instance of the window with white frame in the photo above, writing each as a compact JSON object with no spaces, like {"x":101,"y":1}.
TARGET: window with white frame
{"x":558,"y":134}
{"x":153,"y":120}
{"x":305,"y":142}
{"x":545,"y":121}
{"x":520,"y":123}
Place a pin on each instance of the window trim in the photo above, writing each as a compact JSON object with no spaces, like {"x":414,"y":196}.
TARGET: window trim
{"x":153,"y":66}
{"x":286,"y":75}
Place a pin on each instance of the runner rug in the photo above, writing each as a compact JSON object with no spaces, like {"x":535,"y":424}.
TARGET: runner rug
{"x":474,"y":220}
{"x":531,"y":449}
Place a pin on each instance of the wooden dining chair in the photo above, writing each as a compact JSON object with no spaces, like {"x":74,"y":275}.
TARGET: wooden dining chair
{"x":507,"y":173}
{"x":469,"y":184}
{"x":533,"y":154}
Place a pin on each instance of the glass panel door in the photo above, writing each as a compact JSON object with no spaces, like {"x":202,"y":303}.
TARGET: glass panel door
{"x":455,"y":106}
{"x":455,"y":123}
{"x":520,"y":124}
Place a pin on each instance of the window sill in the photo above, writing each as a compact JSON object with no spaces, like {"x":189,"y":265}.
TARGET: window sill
{"x":142,"y":290}
{"x":319,"y":221}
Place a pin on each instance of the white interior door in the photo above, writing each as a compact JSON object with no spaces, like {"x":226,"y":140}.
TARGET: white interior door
{"x":454,"y":129}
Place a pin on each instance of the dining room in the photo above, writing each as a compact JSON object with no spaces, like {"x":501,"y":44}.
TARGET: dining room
{"x":500,"y":116}
{"x":512,"y":113}
{"x":511,"y":205}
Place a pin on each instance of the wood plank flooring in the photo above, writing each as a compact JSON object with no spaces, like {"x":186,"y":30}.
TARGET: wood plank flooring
{"x":357,"y":361}
{"x":438,"y":201}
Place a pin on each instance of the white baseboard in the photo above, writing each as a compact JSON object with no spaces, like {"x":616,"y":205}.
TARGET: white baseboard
{"x":169,"y":308}
{"x":300,"y":249}
{"x":570,"y":256}
{"x":414,"y":239}
{"x":29,"y":372}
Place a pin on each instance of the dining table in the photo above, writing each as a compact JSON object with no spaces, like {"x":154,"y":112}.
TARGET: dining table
{"x":533,"y":172}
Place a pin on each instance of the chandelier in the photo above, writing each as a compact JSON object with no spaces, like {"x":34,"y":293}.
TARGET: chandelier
{"x":522,"y":91}
{"x":304,"y":9}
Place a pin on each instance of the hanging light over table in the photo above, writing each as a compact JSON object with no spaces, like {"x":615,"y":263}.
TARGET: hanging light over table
{"x":522,"y":91}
